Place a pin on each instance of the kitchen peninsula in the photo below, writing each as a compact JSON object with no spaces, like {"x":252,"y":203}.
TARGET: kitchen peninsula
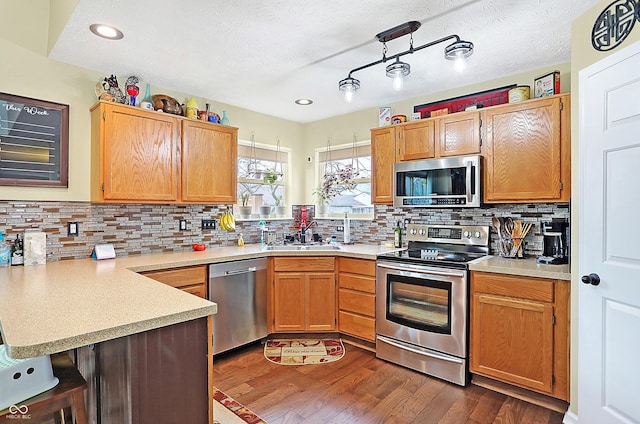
{"x":144,"y":347}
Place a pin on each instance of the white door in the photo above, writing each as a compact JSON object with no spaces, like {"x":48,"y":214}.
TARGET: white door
{"x":609,"y":228}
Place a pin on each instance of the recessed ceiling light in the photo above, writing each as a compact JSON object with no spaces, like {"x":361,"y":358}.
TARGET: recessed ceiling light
{"x":106,"y":31}
{"x":303,"y":102}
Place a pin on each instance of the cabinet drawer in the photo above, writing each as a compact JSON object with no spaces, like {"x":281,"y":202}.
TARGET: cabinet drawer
{"x":513,"y":286}
{"x":358,"y":266}
{"x":356,"y":282}
{"x":303,"y":264}
{"x":199,"y":290}
{"x":353,"y":301}
{"x":357,"y":325}
{"x":179,"y":277}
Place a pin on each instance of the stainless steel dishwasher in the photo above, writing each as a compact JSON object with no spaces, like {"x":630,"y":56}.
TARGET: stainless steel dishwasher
{"x":240,"y":290}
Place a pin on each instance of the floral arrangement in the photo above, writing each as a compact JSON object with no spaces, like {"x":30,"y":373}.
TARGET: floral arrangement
{"x":334,"y":183}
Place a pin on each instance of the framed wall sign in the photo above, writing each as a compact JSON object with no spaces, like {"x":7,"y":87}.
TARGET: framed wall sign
{"x":547,"y":85}
{"x":486,"y":98}
{"x":34,"y":142}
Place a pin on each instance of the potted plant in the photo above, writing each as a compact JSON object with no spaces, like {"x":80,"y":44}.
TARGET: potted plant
{"x":270,"y":178}
{"x":245,"y":209}
{"x":322,"y":197}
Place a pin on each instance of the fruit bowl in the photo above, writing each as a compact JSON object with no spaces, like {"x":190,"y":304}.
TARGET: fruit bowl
{"x":199,"y":246}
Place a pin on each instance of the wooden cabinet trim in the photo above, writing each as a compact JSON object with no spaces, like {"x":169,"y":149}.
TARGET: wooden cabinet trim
{"x":303,"y":263}
{"x":532,"y":369}
{"x":357,"y":302}
{"x":357,"y":266}
{"x":357,"y":282}
{"x":513,"y":286}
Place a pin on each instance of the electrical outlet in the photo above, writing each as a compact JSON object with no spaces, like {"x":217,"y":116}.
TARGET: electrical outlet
{"x":72,"y":229}
{"x":407,"y":221}
{"x":183,"y":224}
{"x":340,"y":229}
{"x":208,"y":224}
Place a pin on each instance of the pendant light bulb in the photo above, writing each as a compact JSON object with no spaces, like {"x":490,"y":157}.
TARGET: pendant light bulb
{"x":398,"y":81}
{"x":349,"y":86}
{"x":398,"y":71}
{"x":460,"y":62}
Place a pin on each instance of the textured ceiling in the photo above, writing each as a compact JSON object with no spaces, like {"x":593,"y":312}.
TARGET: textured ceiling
{"x":262,"y":55}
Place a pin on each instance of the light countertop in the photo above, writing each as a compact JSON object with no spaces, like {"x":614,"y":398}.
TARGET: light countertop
{"x":525,"y":267}
{"x":63,"y":305}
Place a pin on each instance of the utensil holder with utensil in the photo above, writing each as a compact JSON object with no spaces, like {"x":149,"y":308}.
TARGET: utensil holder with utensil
{"x":511,"y":234}
{"x":511,"y":247}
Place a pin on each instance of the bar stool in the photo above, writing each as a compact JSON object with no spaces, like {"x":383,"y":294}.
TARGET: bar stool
{"x":68,"y":393}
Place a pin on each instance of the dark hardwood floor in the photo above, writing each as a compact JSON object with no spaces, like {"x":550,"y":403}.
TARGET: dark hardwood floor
{"x":359,"y":388}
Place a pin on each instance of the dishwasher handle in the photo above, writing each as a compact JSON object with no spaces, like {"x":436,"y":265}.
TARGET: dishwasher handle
{"x":241,"y":271}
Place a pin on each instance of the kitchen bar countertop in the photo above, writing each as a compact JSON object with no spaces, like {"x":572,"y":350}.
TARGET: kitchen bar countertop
{"x":63,"y":305}
{"x":525,"y":267}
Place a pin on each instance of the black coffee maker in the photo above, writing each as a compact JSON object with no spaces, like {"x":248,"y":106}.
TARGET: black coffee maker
{"x":555,"y":248}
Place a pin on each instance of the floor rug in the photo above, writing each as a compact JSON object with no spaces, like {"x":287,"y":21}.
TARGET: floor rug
{"x":226,"y":410}
{"x":302,"y":351}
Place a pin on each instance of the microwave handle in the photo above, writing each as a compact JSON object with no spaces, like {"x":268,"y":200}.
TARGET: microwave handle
{"x":468,"y":182}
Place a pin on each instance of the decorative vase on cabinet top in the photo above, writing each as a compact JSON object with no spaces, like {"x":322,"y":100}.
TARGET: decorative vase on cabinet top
{"x":224,"y":120}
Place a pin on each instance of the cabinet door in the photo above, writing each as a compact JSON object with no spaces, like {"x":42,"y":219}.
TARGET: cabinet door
{"x":289,"y":295}
{"x":512,"y":340}
{"x":139,"y":155}
{"x":209,"y":162}
{"x":415,"y":141}
{"x":320,"y":295}
{"x":383,"y":156}
{"x":523,"y":154}
{"x":458,"y":134}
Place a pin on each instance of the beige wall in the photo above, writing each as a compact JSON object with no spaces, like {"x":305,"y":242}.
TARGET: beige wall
{"x":582,"y":55}
{"x":26,"y":71}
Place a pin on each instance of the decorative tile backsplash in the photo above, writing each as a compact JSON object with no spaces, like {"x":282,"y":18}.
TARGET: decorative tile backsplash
{"x":137,"y":228}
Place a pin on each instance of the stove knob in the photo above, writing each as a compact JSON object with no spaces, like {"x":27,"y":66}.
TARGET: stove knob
{"x":477,"y":234}
{"x":467,"y":234}
{"x":412,"y":231}
{"x":422,"y":232}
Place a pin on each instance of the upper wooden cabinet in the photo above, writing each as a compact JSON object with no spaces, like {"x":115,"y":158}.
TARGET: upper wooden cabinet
{"x":383,"y":147}
{"x":527,"y":150}
{"x":209,"y":158}
{"x":449,"y":135}
{"x":414,"y":140}
{"x":140,"y":156}
{"x":458,"y":134}
{"x":134,"y":155}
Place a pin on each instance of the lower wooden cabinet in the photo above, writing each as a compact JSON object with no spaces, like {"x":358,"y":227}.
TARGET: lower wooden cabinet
{"x":357,"y":297}
{"x":303,"y":294}
{"x":192,"y":279}
{"x":520,"y":331}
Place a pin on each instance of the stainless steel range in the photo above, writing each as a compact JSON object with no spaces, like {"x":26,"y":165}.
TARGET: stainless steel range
{"x":422,"y":299}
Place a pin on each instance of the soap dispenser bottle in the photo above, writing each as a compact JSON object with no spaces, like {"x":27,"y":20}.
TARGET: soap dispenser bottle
{"x":347,"y":228}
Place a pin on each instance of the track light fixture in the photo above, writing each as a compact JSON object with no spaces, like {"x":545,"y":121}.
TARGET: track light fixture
{"x":458,"y":51}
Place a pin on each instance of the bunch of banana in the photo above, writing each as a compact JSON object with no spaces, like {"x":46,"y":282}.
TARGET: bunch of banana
{"x":227,"y":221}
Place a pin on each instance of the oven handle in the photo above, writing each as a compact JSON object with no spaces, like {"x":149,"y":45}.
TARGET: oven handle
{"x":468,"y":182}
{"x":422,"y":270}
{"x":420,"y":351}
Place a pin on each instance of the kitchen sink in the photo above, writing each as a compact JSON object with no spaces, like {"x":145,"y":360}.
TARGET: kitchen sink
{"x":296,"y":247}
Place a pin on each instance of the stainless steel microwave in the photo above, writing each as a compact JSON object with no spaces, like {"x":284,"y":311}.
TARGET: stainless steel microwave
{"x":452,"y":182}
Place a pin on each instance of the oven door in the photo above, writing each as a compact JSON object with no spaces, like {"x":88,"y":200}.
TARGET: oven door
{"x":423,"y":305}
